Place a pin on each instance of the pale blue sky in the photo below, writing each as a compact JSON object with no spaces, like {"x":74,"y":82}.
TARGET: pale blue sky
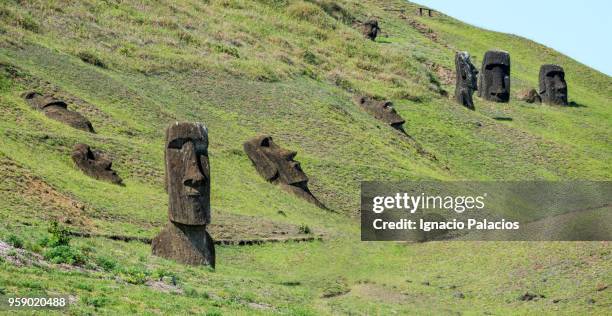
{"x":579,"y":29}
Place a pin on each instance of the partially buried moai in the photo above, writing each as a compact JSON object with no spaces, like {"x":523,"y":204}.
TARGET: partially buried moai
{"x":95,"y":163}
{"x":371,"y":29}
{"x":58,"y":110}
{"x":466,"y":80}
{"x":553,"y":88}
{"x":382,"y":110}
{"x":277,"y":166}
{"x":185,"y":238}
{"x":494,"y":81}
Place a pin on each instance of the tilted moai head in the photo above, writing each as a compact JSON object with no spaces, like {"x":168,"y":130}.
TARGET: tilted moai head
{"x":188,"y":173}
{"x":371,"y":29}
{"x":495,"y":77}
{"x":381,"y":110}
{"x":276,"y":165}
{"x":58,"y":110}
{"x":553,"y":88}
{"x":94,"y":163}
{"x":273,"y":162}
{"x":466,"y":80}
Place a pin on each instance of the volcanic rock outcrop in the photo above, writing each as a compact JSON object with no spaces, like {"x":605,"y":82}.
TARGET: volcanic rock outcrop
{"x":58,"y":110}
{"x":494,"y":82}
{"x":94,"y":163}
{"x":371,"y":29}
{"x":185,"y":238}
{"x":466,"y":80}
{"x":530,"y":96}
{"x":381,"y":110}
{"x":553,"y":88}
{"x":276,"y":165}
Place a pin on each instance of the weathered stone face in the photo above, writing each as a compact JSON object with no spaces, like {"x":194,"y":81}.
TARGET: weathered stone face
{"x":185,"y":238}
{"x":58,"y":110}
{"x":188,"y":173}
{"x":276,"y":165}
{"x":466,"y":80}
{"x":494,"y":82}
{"x":371,"y":29}
{"x":381,"y":110}
{"x":94,"y":164}
{"x":553,"y":88}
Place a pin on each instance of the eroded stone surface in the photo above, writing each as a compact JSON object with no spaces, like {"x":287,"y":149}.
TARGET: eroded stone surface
{"x":94,"y":163}
{"x":58,"y":110}
{"x":371,"y":29}
{"x":382,"y":110}
{"x":530,"y":96}
{"x":553,"y":88}
{"x":466,"y":80}
{"x":276,"y":165}
{"x":494,"y":81}
{"x":188,"y":244}
{"x":185,"y":238}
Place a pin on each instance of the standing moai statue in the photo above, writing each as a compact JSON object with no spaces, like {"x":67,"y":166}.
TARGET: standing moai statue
{"x":553,"y":88}
{"x":494,"y":81}
{"x":371,"y":29}
{"x":466,"y":79}
{"x":276,"y":165}
{"x":185,"y":238}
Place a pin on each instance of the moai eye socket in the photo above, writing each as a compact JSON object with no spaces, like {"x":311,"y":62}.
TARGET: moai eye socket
{"x":177,"y":143}
{"x":265,"y":142}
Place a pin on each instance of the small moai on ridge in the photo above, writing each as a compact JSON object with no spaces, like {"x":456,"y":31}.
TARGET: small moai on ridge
{"x":553,"y":88}
{"x":371,"y":29}
{"x":466,"y":80}
{"x":185,"y":239}
{"x":494,"y":79}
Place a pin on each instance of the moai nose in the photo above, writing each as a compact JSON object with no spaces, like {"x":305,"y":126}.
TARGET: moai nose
{"x":193,"y":175}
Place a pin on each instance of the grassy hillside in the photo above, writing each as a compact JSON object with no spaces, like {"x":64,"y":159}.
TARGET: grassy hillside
{"x":290,"y":69}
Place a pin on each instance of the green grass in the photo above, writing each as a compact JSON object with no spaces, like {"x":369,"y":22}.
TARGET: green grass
{"x":290,"y":69}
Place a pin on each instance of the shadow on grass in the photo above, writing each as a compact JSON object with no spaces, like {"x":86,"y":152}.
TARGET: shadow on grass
{"x":575,"y":104}
{"x":502,"y":118}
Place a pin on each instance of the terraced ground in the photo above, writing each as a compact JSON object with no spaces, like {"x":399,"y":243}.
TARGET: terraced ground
{"x":290,"y":69}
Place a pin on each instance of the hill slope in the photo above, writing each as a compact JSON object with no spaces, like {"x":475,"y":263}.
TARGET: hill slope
{"x":290,"y":69}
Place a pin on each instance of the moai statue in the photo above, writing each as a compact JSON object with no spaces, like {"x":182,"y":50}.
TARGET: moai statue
{"x":494,"y":82}
{"x":276,"y":165}
{"x":58,"y":110}
{"x":553,"y":88}
{"x":185,"y":238}
{"x":381,"y":110}
{"x":466,"y":80}
{"x":94,"y":163}
{"x":371,"y":29}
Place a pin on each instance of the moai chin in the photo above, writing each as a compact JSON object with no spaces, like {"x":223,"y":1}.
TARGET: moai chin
{"x":466,"y":80}
{"x":553,"y":88}
{"x":185,"y":238}
{"x":95,"y":163}
{"x":371,"y":29}
{"x":276,"y":165}
{"x":494,"y":83}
